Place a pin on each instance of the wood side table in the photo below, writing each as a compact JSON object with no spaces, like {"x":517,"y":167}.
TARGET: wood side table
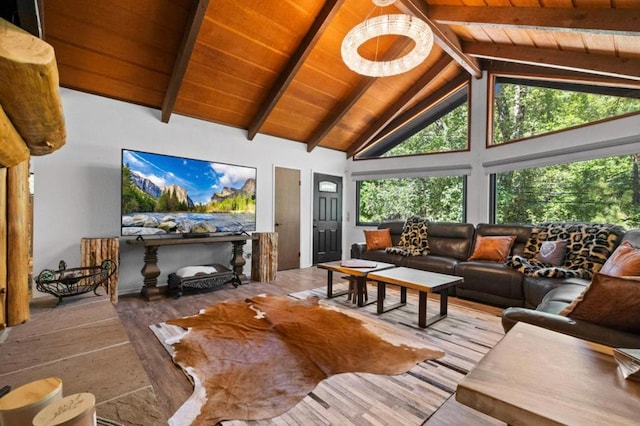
{"x":359,"y":274}
{"x":535,"y":376}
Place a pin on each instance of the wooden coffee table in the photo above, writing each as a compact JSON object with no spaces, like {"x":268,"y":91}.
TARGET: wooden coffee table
{"x":423,"y":281}
{"x":359,"y":274}
{"x":535,"y":376}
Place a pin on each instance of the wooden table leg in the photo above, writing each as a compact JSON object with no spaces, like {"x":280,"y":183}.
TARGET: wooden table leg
{"x":150,"y":272}
{"x":422,"y":309}
{"x":237,"y":261}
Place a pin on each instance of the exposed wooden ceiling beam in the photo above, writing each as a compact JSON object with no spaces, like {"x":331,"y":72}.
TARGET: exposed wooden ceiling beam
{"x":194,"y":21}
{"x":296,"y":61}
{"x":396,"y":107}
{"x":572,"y":61}
{"x":553,"y":74}
{"x":443,"y":36}
{"x":358,"y":91}
{"x":428,"y":102}
{"x":601,"y":20}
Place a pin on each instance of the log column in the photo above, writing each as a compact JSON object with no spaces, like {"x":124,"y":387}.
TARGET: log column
{"x":17,"y":217}
{"x":96,"y":250}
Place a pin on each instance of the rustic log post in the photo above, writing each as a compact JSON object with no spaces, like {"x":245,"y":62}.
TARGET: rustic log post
{"x":13,"y":149}
{"x":29,"y":89}
{"x":3,"y":248}
{"x":264,"y":256}
{"x":96,"y":250}
{"x":18,"y":244}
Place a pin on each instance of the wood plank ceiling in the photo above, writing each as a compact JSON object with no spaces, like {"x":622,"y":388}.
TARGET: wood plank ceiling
{"x":274,"y":66}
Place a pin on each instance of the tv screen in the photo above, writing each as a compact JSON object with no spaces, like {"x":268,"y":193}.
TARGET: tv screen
{"x":164,"y":194}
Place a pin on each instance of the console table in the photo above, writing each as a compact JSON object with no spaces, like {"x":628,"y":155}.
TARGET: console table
{"x":150,"y":271}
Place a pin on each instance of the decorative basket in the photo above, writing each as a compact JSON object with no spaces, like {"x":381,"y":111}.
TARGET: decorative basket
{"x":71,"y":282}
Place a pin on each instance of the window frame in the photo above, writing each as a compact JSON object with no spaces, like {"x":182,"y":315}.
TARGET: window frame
{"x":557,"y":83}
{"x":464,"y":177}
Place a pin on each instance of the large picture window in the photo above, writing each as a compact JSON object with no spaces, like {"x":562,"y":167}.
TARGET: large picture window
{"x":434,"y":198}
{"x":601,"y":190}
{"x":443,"y":127}
{"x":525,"y":108}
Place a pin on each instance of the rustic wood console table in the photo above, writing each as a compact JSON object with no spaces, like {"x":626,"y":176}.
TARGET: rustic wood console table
{"x":150,"y":271}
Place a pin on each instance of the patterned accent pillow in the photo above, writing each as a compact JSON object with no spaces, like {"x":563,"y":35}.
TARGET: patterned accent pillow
{"x":552,"y":252}
{"x":414,"y":239}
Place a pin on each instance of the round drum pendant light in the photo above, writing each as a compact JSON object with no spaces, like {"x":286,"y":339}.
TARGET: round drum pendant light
{"x":402,"y":25}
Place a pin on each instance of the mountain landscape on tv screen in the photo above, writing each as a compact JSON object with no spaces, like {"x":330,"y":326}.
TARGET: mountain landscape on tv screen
{"x":150,"y":208}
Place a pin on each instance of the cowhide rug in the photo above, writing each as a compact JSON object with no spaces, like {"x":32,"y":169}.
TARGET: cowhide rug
{"x":256,"y":358}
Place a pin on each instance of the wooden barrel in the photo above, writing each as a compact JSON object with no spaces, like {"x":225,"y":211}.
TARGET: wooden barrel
{"x":74,"y":410}
{"x":22,"y":404}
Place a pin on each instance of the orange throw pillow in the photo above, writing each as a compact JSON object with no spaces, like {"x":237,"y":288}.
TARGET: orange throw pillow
{"x":378,"y":239}
{"x":625,"y":260}
{"x":495,"y":249}
{"x":609,"y":301}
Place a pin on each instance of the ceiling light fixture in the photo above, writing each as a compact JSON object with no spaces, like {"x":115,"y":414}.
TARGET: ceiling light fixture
{"x":402,"y":25}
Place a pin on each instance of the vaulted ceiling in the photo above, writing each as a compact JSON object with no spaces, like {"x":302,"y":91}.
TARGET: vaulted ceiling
{"x":274,"y":66}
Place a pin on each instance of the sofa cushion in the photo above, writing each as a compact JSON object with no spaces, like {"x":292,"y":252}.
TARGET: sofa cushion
{"x":447,"y":239}
{"x":625,"y":260}
{"x":610,"y":301}
{"x":378,"y":239}
{"x":495,"y":248}
{"x":491,"y":278}
{"x":552,"y":252}
{"x":439,"y":264}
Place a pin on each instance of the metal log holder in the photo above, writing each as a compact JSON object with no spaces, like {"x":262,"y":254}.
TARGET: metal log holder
{"x":177,"y":284}
{"x":74,"y":281}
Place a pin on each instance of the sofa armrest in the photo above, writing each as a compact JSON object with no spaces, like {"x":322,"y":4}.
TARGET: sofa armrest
{"x":357,"y":249}
{"x":577,"y":328}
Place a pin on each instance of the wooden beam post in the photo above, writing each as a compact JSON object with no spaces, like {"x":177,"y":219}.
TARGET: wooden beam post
{"x":13,"y":149}
{"x":3,"y":247}
{"x":29,"y":89}
{"x":264,"y":256}
{"x":18,"y":244}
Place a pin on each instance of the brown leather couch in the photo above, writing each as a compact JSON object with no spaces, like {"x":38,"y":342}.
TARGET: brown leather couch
{"x":536,"y":300}
{"x":546,"y":314}
{"x":450,"y":245}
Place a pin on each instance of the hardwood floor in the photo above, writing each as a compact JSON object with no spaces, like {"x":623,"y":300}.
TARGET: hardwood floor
{"x":131,"y":373}
{"x":171,"y":385}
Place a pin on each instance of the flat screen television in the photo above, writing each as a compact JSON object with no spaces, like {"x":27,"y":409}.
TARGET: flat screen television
{"x":164,"y":194}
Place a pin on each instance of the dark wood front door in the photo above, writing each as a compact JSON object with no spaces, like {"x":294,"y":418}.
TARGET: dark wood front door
{"x":327,"y":218}
{"x":287,"y":217}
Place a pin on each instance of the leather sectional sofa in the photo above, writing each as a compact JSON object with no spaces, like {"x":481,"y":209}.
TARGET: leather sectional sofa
{"x":532,"y":299}
{"x":450,"y":245}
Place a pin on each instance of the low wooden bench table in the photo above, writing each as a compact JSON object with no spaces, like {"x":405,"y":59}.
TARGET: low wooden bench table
{"x":359,"y":274}
{"x":423,"y":281}
{"x":535,"y":376}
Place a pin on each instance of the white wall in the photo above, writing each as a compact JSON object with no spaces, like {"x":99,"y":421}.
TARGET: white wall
{"x":615,"y":137}
{"x":77,"y":188}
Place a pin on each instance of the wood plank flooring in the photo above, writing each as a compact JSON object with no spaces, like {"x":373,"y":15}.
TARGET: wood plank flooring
{"x":135,"y":380}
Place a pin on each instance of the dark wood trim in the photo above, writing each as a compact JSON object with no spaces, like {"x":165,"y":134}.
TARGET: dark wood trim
{"x":572,"y":61}
{"x":554,"y":74}
{"x":194,"y":22}
{"x":444,"y":36}
{"x":355,"y":95}
{"x":286,"y":76}
{"x":396,"y":107}
{"x":601,"y":20}
{"x":408,"y":115}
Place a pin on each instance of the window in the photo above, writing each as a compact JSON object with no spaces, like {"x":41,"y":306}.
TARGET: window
{"x":434,"y":198}
{"x":441,"y":128}
{"x":524,"y":108}
{"x":601,"y":190}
